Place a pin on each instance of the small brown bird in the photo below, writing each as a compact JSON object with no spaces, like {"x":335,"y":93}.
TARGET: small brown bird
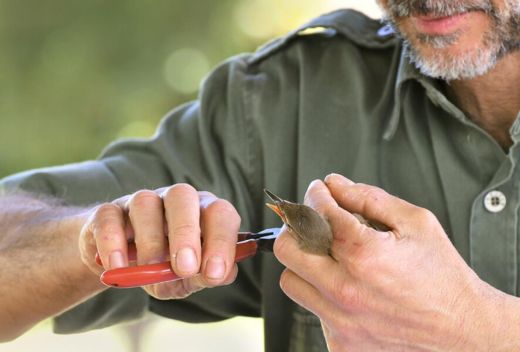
{"x":307,"y":226}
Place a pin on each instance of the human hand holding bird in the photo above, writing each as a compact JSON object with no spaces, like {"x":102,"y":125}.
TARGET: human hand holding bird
{"x":399,"y":287}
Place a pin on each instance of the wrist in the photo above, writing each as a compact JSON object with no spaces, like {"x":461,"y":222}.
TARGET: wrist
{"x":477,"y":317}
{"x":76,"y":270}
{"x":40,"y":254}
{"x":504,"y":333}
{"x":495,"y":322}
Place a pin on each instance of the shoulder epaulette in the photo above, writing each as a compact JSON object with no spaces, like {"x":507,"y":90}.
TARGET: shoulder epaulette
{"x":355,"y":26}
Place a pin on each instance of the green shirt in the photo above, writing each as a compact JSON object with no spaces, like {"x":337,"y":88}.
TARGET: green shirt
{"x":337,"y":95}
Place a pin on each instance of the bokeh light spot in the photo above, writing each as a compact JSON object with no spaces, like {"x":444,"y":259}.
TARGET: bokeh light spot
{"x":185,"y":68}
{"x":137,"y":129}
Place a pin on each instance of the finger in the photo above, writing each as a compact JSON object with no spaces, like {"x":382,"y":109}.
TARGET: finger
{"x":315,"y":269}
{"x":373,"y":203}
{"x":88,"y":249}
{"x":306,"y":295}
{"x":346,"y":227}
{"x":123,"y":204}
{"x":146,"y":214}
{"x":107,"y":226}
{"x":181,"y":205}
{"x":321,"y":287}
{"x":220,"y":225}
{"x":184,"y":288}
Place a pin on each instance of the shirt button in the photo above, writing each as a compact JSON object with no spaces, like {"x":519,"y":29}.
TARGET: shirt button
{"x":495,"y":201}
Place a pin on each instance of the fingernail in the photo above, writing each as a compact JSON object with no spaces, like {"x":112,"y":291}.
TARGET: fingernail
{"x":116,"y":260}
{"x":215,"y":268}
{"x":186,"y":261}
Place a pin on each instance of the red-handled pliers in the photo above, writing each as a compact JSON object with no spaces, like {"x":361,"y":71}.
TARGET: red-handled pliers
{"x":248,"y":244}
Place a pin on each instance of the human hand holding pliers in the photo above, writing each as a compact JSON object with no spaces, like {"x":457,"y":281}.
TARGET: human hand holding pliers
{"x":248,"y":244}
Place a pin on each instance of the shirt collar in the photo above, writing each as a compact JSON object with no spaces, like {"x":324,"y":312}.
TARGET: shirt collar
{"x":515,"y":129}
{"x":405,"y":71}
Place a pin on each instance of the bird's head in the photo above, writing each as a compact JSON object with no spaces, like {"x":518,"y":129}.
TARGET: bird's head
{"x":312,"y":231}
{"x":297,"y":217}
{"x":279,"y":206}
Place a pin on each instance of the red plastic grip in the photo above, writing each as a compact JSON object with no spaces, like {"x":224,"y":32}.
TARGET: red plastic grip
{"x":135,"y":276}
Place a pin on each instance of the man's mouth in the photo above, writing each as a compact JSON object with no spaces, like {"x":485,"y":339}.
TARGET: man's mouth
{"x":438,"y":25}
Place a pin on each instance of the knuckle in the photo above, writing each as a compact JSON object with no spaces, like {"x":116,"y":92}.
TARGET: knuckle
{"x":372,"y":193}
{"x":424,"y":216}
{"x":106,"y":222}
{"x":144,"y":199}
{"x":178,"y":189}
{"x":186,"y":230}
{"x":222,"y":208}
{"x":106,"y":210}
{"x":220,"y":242}
{"x":346,"y":295}
{"x":359,"y":267}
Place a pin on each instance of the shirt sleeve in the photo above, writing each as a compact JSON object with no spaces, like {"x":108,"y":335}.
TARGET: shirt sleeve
{"x":207,"y":143}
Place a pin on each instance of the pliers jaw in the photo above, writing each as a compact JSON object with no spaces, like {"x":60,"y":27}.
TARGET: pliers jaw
{"x":264,"y":239}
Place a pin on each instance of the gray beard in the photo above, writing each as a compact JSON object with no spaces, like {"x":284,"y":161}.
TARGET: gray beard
{"x":467,"y":65}
{"x":500,"y":40}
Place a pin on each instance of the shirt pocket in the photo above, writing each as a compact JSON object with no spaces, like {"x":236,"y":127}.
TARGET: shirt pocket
{"x":306,"y":332}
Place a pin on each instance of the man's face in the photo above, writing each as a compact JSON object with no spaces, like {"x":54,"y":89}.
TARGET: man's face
{"x":456,"y":39}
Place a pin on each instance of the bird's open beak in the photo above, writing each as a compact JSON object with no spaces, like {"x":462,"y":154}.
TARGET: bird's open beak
{"x":277,"y":210}
{"x":275,"y":207}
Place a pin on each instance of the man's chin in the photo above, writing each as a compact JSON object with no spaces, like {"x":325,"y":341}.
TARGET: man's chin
{"x":452,"y":63}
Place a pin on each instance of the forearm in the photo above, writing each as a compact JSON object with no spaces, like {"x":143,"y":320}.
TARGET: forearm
{"x":42,"y":273}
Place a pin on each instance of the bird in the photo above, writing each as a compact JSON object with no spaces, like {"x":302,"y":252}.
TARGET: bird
{"x":308,"y":227}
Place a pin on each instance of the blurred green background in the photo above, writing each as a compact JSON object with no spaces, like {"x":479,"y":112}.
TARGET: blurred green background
{"x":75,"y":75}
{"x":78,"y":74}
